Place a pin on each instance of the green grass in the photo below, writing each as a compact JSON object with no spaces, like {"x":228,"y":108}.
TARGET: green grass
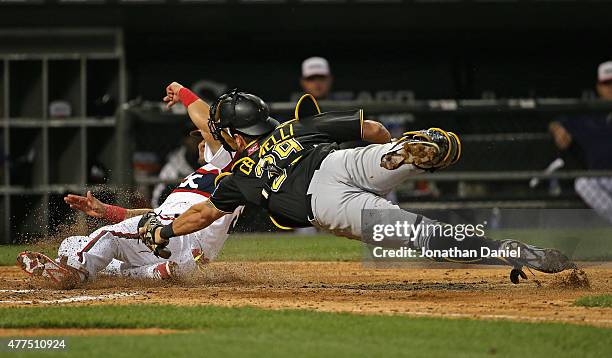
{"x":262,"y":247}
{"x":279,"y":247}
{"x":8,"y":253}
{"x":580,"y":244}
{"x":236,"y":332}
{"x":595,"y":301}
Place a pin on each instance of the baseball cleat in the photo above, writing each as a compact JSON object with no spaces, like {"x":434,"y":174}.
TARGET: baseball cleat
{"x":416,"y":153}
{"x":41,"y":266}
{"x":515,"y":274}
{"x":166,"y":270}
{"x":543,"y":260}
{"x":426,"y":149}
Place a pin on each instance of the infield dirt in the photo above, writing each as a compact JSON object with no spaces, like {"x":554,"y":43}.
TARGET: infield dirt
{"x":481,"y":293}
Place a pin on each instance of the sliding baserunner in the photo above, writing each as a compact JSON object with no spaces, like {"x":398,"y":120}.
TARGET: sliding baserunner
{"x":117,"y":249}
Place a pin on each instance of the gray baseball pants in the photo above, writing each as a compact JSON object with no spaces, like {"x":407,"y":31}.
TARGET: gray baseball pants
{"x":350,"y":180}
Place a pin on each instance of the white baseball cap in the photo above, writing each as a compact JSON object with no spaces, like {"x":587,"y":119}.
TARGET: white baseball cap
{"x":604,"y":72}
{"x":315,"y":66}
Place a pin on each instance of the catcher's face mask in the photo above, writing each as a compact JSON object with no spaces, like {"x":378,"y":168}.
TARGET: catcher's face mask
{"x":219,"y":130}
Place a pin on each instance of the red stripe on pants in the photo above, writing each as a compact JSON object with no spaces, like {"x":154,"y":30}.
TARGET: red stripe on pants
{"x":102,"y":233}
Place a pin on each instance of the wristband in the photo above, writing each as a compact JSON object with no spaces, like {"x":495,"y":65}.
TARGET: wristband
{"x":186,"y":96}
{"x":166,"y":232}
{"x":114,"y":213}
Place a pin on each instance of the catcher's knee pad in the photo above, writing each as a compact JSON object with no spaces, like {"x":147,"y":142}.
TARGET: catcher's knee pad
{"x":448,"y":144}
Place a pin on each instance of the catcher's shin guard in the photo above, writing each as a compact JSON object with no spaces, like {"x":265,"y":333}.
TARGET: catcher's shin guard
{"x":429,"y":149}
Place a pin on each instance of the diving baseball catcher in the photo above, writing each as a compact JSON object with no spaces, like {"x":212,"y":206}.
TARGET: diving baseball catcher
{"x":299,"y":174}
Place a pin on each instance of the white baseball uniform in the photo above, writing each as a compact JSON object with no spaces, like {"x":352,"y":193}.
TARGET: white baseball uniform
{"x":114,"y":249}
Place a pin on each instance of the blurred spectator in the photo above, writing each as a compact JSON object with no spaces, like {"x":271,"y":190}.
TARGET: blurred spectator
{"x":180,"y":163}
{"x":589,"y":136}
{"x":316,"y":77}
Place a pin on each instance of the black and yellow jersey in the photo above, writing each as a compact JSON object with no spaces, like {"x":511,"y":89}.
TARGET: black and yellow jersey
{"x":281,"y":164}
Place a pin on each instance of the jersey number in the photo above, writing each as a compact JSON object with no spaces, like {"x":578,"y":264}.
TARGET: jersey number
{"x":281,"y":151}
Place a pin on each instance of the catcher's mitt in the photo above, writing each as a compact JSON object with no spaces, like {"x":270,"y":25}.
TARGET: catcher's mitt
{"x":149,"y":222}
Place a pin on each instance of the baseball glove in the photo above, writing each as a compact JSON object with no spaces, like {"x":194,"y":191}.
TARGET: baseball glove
{"x":149,"y":222}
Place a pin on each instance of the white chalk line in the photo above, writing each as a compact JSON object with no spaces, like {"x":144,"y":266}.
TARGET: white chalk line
{"x":83,"y":298}
{"x":17,"y":291}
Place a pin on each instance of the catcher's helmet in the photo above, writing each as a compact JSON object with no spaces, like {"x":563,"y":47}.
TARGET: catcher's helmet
{"x":243,"y":113}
